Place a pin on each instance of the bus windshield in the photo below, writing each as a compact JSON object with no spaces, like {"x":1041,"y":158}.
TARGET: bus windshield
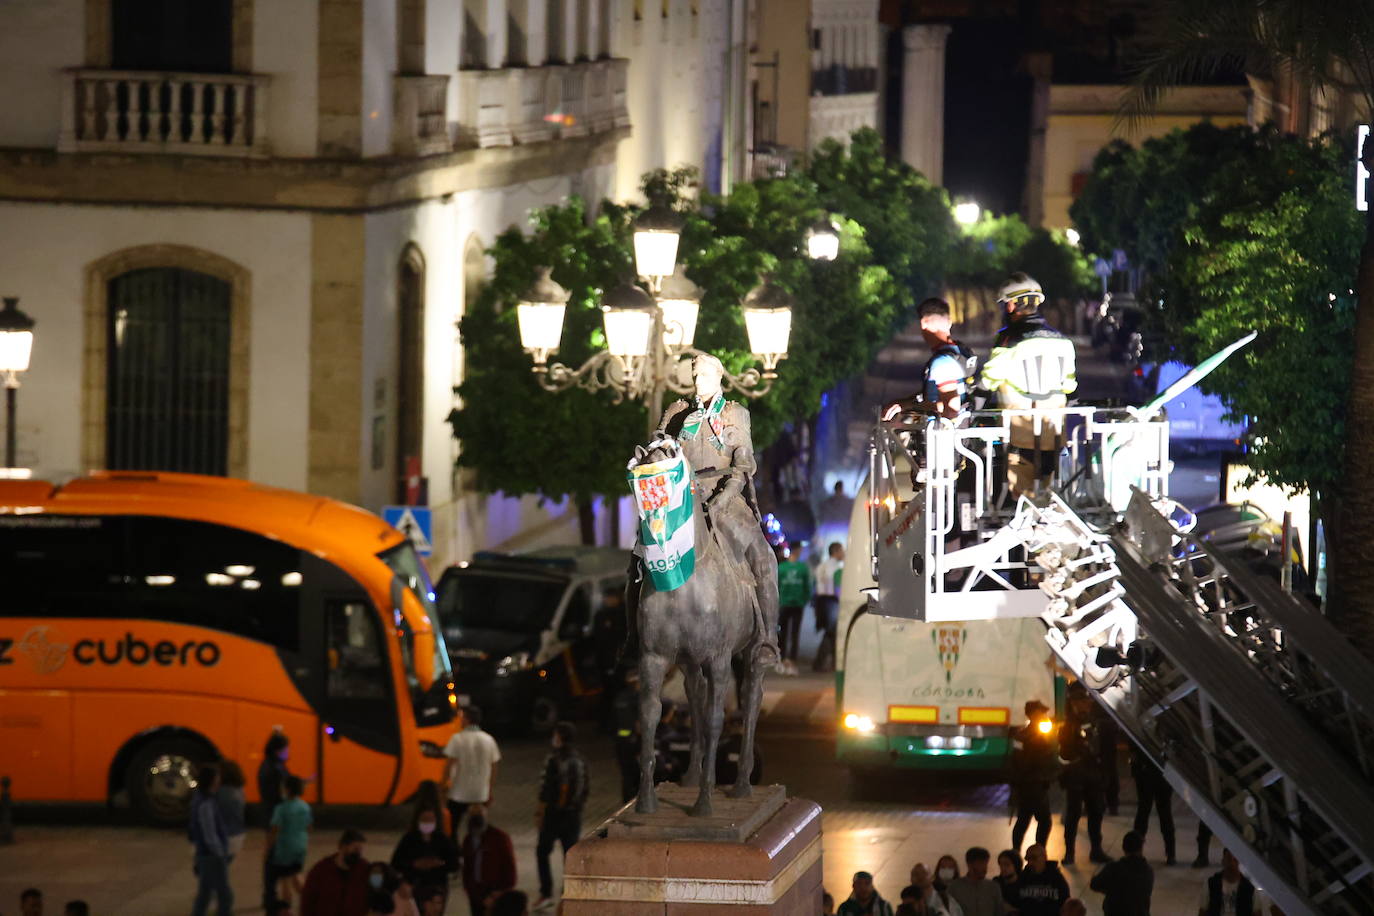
{"x":405,"y":563}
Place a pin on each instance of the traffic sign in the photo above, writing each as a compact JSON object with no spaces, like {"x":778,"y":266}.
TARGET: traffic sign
{"x":415,"y":522}
{"x":1102,"y":268}
{"x":1119,"y":261}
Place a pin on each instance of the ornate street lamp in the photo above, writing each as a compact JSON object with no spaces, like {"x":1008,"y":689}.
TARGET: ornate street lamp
{"x":650,"y":335}
{"x":680,"y":300}
{"x":16,"y":346}
{"x":540,"y":313}
{"x":657,"y":231}
{"x":768,"y":320}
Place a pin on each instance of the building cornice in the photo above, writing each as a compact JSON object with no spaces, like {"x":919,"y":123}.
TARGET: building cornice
{"x":1100,"y":99}
{"x":303,"y":185}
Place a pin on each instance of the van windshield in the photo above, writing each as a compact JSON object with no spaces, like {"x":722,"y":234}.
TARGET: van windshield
{"x":492,"y":601}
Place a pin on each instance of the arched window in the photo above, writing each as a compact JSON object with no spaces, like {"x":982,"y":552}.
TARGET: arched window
{"x":172,"y":35}
{"x":167,"y":391}
{"x":410,"y":363}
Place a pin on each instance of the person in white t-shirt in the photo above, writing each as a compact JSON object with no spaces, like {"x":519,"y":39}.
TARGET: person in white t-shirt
{"x":826,"y":601}
{"x":473,"y":756}
{"x":1229,"y":893}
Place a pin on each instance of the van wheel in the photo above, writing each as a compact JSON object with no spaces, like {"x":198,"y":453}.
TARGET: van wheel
{"x":162,"y":777}
{"x":544,"y":715}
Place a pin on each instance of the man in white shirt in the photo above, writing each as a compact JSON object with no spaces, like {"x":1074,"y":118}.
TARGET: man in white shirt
{"x":473,"y":756}
{"x":1229,"y":893}
{"x":826,"y":603}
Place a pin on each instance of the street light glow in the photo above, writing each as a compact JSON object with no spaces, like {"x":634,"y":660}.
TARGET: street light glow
{"x":1073,"y":236}
{"x":540,"y":315}
{"x":628,"y":317}
{"x":16,"y":338}
{"x":823,"y":240}
{"x":657,"y":230}
{"x":967,"y":213}
{"x":680,"y":300}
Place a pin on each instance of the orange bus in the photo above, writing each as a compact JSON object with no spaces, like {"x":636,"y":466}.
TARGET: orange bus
{"x":150,"y":622}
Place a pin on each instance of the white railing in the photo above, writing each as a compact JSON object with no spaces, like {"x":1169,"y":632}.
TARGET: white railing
{"x":131,"y":111}
{"x":839,"y":116}
{"x":420,"y":124}
{"x":947,"y":530}
{"x":533,"y":104}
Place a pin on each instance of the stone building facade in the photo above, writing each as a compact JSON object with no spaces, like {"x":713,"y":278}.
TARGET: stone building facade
{"x":247,"y":229}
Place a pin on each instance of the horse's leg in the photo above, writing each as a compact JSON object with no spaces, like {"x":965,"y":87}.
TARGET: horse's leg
{"x":694,"y":676}
{"x":651,"y":670}
{"x":717,"y":679}
{"x":749,"y":706}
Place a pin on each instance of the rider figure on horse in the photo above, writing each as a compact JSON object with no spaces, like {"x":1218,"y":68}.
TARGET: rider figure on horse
{"x":714,"y":435}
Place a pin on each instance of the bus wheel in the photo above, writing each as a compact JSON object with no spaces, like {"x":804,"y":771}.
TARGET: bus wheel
{"x":162,"y":776}
{"x":544,"y":715}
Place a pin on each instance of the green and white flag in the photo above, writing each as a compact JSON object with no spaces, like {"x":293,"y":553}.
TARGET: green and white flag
{"x":663,"y":499}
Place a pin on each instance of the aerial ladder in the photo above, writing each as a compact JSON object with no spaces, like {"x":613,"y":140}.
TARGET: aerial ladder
{"x":1257,"y":711}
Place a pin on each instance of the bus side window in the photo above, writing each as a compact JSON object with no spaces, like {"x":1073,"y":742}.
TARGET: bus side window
{"x":62,"y":566}
{"x":357,"y":665}
{"x":215,"y":576}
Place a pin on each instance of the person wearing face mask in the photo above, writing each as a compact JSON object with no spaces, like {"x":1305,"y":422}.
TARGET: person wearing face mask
{"x":928,"y":901}
{"x":977,"y":895}
{"x":338,"y":884}
{"x":947,"y":872}
{"x":488,"y":860}
{"x":382,"y":877}
{"x":425,"y":854}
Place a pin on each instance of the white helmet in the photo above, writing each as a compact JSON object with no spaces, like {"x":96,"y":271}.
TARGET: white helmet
{"x":1023,"y":291}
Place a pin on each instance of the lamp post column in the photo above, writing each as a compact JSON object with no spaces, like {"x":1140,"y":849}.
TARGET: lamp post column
{"x":11,"y":388}
{"x":660,"y":363}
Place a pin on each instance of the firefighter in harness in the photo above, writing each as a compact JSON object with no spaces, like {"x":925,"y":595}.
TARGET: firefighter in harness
{"x":1031,"y":367}
{"x":948,"y":376}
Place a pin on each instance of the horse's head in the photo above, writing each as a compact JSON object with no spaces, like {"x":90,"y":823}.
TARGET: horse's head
{"x":660,"y":448}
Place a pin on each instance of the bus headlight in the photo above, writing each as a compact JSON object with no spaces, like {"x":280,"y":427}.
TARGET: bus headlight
{"x":514,"y":664}
{"x":935,"y":741}
{"x":859,"y":723}
{"x":960,"y":742}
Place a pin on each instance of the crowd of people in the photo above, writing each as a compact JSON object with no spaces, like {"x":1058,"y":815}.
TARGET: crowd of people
{"x":1038,"y":887}
{"x":450,"y":841}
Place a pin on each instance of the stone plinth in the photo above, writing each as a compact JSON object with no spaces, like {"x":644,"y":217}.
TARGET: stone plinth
{"x":756,"y":855}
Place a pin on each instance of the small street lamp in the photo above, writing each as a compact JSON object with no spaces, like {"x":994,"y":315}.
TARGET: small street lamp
{"x":823,"y":240}
{"x":16,"y":345}
{"x":650,"y":335}
{"x":967,"y":213}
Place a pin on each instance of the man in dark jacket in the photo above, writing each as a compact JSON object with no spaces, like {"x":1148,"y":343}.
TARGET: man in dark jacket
{"x":1042,"y":888}
{"x":1127,"y":883}
{"x":337,"y":885}
{"x":561,"y":798}
{"x":1230,"y":893}
{"x":1080,"y":746}
{"x":1034,"y":764}
{"x":488,"y":860}
{"x":1152,"y":790}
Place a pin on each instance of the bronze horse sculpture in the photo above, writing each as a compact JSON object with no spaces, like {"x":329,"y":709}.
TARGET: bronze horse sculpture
{"x":701,"y":626}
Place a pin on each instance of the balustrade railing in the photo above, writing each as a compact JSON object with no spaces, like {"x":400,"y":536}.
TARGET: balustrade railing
{"x":420,"y":115}
{"x":532,"y":104}
{"x":133,"y":111}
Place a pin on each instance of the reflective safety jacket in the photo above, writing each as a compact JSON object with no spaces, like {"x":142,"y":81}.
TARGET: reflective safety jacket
{"x":1030,"y":362}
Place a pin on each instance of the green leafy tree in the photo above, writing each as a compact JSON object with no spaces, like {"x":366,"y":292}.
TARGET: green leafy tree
{"x":522,"y":440}
{"x":1322,"y":44}
{"x":1269,"y":246}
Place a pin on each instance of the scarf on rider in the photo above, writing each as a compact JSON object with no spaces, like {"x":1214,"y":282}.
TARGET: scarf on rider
{"x":711,"y":414}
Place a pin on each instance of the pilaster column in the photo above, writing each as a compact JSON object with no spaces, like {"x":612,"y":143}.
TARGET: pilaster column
{"x":923,"y":99}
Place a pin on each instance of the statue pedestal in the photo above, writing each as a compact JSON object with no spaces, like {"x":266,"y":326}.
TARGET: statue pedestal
{"x":754,"y":855}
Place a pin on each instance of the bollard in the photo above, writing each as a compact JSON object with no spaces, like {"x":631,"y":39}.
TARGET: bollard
{"x":6,"y":812}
